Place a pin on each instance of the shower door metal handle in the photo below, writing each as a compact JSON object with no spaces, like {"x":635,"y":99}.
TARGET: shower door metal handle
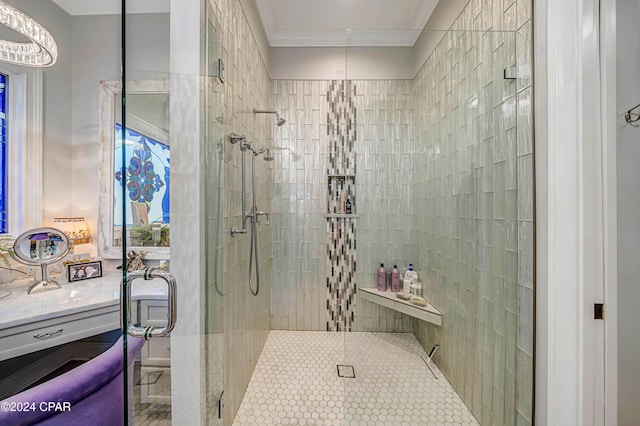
{"x":151,"y":331}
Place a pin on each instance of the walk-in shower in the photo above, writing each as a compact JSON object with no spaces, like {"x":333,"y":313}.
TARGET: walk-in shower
{"x":280,"y":121}
{"x":254,"y":213}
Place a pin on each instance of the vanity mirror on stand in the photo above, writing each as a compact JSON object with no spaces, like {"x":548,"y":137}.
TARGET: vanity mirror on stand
{"x":41,"y":247}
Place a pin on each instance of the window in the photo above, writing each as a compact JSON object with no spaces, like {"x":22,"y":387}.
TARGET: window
{"x":148,"y":184}
{"x":20,"y":148}
{"x":3,"y":154}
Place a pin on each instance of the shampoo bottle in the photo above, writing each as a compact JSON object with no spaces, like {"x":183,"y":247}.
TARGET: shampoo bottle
{"x":410,"y":277}
{"x":382,"y":278}
{"x":395,"y":279}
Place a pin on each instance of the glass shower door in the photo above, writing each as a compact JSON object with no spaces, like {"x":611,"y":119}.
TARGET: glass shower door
{"x":438,"y":186}
{"x":142,"y":224}
{"x":169,"y":198}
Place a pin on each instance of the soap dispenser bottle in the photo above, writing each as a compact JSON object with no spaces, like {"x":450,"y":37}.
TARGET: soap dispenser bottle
{"x":395,"y":279}
{"x":382,"y":278}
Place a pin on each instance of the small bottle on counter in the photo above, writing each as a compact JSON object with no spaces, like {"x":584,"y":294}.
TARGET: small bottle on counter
{"x":382,"y":278}
{"x":348,"y":207}
{"x":416,"y":288}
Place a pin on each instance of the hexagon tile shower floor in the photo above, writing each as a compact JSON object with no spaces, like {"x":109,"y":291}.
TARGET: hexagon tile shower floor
{"x":296,"y":383}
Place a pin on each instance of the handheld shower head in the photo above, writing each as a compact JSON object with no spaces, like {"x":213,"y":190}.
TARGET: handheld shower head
{"x":268,"y":156}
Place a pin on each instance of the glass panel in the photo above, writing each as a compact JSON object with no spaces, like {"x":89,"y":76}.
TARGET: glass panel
{"x":214,"y":229}
{"x":172,"y":135}
{"x":136,"y":125}
{"x":439,"y":185}
{"x":147,"y":156}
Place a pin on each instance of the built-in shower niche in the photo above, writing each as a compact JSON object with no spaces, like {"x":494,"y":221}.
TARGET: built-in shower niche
{"x":342,"y":195}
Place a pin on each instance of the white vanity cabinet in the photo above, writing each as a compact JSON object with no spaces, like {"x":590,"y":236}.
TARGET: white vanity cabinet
{"x":32,"y":322}
{"x":155,"y":358}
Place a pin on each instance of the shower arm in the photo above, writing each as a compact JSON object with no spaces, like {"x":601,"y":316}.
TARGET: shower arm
{"x":279,"y":120}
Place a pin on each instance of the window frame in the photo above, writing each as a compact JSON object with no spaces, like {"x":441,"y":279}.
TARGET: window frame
{"x":24,"y":147}
{"x":108,"y":118}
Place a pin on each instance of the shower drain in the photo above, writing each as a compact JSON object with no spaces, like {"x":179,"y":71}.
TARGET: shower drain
{"x":346,"y":371}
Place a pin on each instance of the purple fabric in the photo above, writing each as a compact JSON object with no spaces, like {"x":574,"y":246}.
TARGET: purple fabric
{"x":94,"y":390}
{"x":39,"y":237}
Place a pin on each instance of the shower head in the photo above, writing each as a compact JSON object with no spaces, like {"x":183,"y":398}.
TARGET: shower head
{"x":268,"y":156}
{"x":234,"y":138}
{"x":280,"y":121}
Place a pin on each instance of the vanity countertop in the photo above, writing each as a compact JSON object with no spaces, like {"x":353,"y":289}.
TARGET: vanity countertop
{"x":20,"y":308}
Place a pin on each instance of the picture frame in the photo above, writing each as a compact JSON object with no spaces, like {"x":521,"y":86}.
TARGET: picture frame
{"x":84,"y":270}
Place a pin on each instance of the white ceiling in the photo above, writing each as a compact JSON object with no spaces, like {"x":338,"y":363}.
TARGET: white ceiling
{"x":326,"y":22}
{"x":112,"y":7}
{"x":307,"y":22}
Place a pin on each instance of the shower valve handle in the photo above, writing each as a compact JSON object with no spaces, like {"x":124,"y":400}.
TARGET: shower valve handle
{"x":264,"y":214}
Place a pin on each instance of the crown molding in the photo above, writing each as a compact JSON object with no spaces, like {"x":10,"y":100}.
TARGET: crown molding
{"x":360,"y":38}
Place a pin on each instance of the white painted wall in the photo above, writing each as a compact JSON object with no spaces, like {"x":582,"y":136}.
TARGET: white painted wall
{"x":628,"y":146}
{"x":330,"y":63}
{"x":307,"y":63}
{"x":365,"y":63}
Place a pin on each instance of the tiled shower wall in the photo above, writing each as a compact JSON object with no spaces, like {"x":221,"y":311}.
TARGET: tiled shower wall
{"x":299,"y":200}
{"x":246,"y":318}
{"x":382,"y":144}
{"x":383,"y":186}
{"x":473,"y":214}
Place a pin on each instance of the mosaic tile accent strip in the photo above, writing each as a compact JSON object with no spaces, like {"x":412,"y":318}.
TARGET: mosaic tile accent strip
{"x":341,"y":277}
{"x":341,"y":250}
{"x":341,"y":120}
{"x":295,"y":383}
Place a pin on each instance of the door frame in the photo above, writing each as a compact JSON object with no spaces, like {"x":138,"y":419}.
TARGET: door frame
{"x":574,"y":90}
{"x":608,"y":43}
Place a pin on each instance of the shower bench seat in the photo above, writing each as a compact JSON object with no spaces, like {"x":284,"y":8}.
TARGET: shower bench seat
{"x":389,"y":300}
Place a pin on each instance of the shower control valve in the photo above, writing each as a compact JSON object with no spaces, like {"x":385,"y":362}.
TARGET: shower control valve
{"x":237,"y":231}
